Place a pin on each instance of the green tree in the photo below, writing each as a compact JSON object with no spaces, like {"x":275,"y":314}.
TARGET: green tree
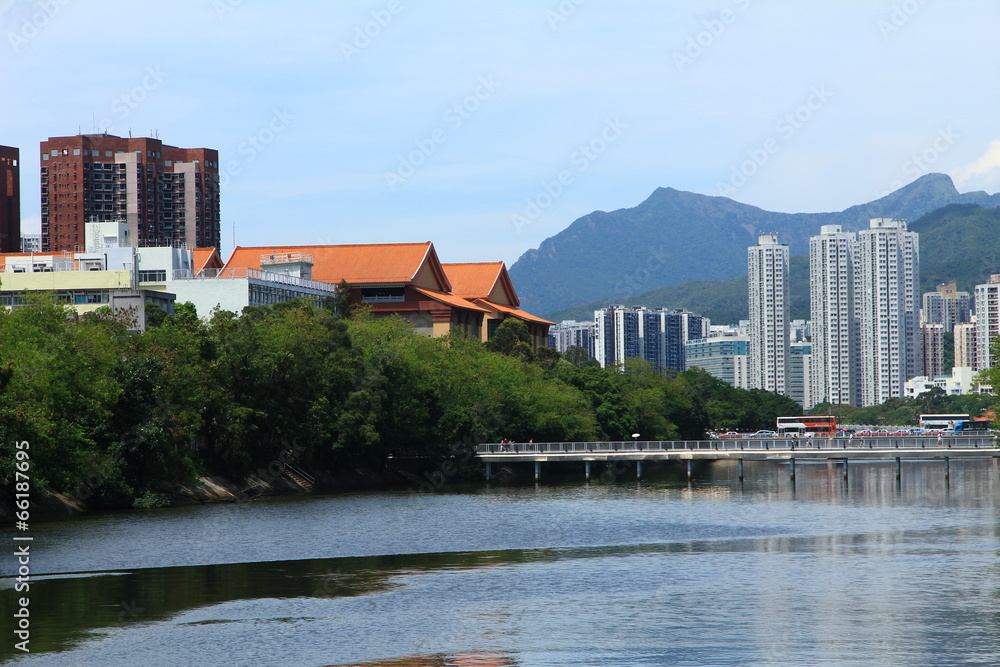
{"x":578,"y":356}
{"x":57,"y":388}
{"x":512,"y":338}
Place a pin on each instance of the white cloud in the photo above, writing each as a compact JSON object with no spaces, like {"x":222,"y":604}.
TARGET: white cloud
{"x":988,"y":162}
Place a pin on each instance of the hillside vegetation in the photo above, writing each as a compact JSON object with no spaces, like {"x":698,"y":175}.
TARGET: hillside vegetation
{"x":959,"y":242}
{"x":676,"y":237}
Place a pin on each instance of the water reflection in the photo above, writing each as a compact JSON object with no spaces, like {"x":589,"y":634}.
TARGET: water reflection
{"x":663,"y":573}
{"x":68,"y":609}
{"x":466,"y":660}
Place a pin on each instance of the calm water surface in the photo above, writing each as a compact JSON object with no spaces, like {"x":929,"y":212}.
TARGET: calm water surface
{"x":658,"y":573}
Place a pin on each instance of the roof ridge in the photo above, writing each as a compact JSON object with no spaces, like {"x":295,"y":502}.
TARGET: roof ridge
{"x":336,"y":245}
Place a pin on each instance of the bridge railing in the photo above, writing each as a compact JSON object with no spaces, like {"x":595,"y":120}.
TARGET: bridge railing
{"x":741,"y":444}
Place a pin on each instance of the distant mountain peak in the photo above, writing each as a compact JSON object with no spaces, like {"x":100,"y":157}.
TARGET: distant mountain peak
{"x":620,"y":253}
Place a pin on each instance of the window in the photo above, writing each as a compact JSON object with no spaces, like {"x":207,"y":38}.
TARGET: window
{"x":383,"y":294}
{"x":157,"y":276}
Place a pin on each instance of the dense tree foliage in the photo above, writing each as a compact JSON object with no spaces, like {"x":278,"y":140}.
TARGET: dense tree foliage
{"x":117,"y":418}
{"x":907,"y":411}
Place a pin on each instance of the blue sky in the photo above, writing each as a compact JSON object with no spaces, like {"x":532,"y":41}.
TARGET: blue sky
{"x":487,"y":127}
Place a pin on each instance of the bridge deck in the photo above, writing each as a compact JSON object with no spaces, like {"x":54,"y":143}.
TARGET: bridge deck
{"x":747,"y":449}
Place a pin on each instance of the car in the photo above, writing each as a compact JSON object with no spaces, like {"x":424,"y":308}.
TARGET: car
{"x":764,"y":434}
{"x":732,"y":434}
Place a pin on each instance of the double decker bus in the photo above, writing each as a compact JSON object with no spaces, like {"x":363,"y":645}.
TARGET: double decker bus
{"x":941,"y":422}
{"x":974,"y":426}
{"x":805,"y":425}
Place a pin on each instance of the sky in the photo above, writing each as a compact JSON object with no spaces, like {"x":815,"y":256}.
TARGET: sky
{"x":487,"y":127}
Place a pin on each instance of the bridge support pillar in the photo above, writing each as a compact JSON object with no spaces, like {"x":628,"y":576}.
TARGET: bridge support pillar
{"x":689,"y":470}
{"x":791,"y":469}
{"x":638,"y":469}
{"x":739,"y":468}
{"x":586,"y":470}
{"x":488,"y":471}
{"x":846,"y":478}
{"x":538,"y":470}
{"x":947,"y":470}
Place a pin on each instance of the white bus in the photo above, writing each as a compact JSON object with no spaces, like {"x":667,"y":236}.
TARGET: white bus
{"x":942,"y":422}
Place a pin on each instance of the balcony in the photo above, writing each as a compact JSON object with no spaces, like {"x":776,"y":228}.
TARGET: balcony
{"x":254,"y":274}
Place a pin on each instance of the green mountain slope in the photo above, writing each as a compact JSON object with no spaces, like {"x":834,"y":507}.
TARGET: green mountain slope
{"x":675,"y":237}
{"x":959,"y":242}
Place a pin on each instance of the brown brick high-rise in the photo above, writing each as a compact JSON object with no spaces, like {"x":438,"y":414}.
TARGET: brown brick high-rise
{"x":10,"y":200}
{"x":166,"y":195}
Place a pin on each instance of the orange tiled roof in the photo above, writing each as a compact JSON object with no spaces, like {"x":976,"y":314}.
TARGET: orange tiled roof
{"x":473,"y":279}
{"x":451,"y":300}
{"x":206,"y":258}
{"x":480,"y":280}
{"x":515,"y":312}
{"x":360,"y":264}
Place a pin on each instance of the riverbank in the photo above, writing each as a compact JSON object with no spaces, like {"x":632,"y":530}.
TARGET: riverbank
{"x":425,"y":477}
{"x":656,"y":572}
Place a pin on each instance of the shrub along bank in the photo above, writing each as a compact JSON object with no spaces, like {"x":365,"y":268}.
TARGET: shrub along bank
{"x":119,"y":419}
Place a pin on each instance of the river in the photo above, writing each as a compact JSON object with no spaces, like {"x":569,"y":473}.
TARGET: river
{"x":661,"y":572}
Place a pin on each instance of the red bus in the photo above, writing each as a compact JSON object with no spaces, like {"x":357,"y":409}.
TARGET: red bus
{"x":825,"y":425}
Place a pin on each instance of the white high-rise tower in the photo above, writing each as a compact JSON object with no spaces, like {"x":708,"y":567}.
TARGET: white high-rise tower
{"x":987,"y":321}
{"x":767,"y":275}
{"x":835,"y":364}
{"x":887,"y":285}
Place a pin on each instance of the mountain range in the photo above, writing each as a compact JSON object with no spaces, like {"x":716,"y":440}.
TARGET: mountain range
{"x":959,"y":242}
{"x":677,"y":237}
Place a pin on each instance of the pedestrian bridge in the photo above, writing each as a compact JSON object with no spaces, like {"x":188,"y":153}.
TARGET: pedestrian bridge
{"x":742,"y":449}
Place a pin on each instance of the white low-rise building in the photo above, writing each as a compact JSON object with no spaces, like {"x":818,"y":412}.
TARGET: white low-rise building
{"x":114,"y":273}
{"x":960,"y":382}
